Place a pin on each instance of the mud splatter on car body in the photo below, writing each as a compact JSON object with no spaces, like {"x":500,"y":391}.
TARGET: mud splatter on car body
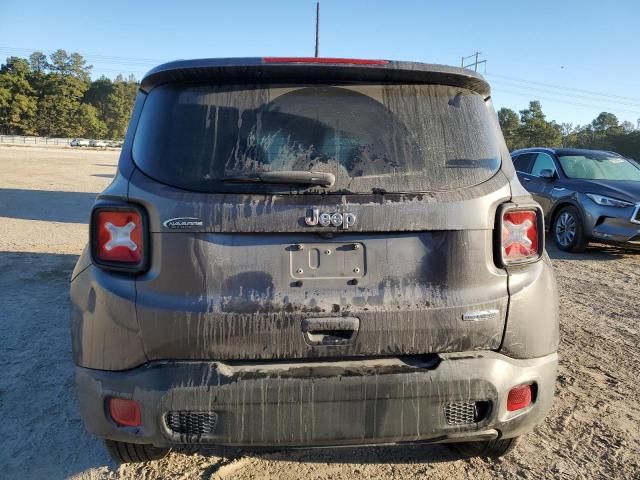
{"x":278,"y":332}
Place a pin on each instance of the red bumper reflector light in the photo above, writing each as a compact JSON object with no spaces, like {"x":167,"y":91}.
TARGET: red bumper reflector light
{"x":519,"y":397}
{"x":125,"y":412}
{"x":349,"y":61}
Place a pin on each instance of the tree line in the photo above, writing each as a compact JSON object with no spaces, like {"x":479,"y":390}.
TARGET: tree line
{"x":53,"y":96}
{"x":531,"y":129}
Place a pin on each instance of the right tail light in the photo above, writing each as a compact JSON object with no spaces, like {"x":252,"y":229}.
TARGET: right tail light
{"x":521,"y":231}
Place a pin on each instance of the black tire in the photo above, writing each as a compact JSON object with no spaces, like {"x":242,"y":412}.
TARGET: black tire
{"x":568,"y":230}
{"x":123,"y":452}
{"x":489,"y":449}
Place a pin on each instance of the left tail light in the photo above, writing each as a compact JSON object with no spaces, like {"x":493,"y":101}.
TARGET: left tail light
{"x":521,"y":234}
{"x":119,"y":238}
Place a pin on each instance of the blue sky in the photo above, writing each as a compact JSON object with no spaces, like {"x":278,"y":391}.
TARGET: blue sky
{"x":577,"y":57}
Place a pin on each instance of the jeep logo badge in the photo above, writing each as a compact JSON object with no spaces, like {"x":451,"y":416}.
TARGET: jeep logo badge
{"x":325,"y":219}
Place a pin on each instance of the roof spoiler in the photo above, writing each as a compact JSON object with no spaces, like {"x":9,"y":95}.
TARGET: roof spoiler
{"x":312,"y":70}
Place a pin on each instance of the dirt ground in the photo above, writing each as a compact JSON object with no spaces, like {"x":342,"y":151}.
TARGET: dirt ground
{"x":593,"y":430}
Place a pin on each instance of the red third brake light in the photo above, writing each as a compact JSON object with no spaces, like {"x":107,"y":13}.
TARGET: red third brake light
{"x":350,"y":61}
{"x":118,"y":238}
{"x":520,"y":236}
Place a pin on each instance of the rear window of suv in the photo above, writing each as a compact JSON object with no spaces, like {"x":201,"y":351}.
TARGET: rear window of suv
{"x":393,"y":138}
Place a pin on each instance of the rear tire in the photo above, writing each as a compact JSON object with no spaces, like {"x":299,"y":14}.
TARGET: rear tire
{"x":123,"y":452}
{"x":489,"y":449}
{"x":568,"y":230}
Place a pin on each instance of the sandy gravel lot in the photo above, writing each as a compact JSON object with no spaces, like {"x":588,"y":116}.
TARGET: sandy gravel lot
{"x":593,"y":430}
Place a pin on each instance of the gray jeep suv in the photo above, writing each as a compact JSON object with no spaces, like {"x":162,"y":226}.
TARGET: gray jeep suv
{"x":313,"y":252}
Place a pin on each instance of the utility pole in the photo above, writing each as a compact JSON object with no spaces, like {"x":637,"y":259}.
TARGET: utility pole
{"x":317,"y":27}
{"x":473,"y":64}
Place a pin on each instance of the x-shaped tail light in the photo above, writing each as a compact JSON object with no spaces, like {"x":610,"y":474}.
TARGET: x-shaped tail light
{"x":118,"y":238}
{"x":514,"y":234}
{"x":520,"y":236}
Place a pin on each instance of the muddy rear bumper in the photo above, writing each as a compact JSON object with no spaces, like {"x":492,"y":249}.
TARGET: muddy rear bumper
{"x":322,"y":403}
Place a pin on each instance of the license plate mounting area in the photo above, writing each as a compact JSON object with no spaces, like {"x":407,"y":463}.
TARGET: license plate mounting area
{"x":327,"y":260}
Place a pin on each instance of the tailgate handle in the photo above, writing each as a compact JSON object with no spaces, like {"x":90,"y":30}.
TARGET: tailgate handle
{"x":330,"y":330}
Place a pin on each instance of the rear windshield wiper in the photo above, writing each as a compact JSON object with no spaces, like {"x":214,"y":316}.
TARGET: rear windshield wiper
{"x":324,"y":179}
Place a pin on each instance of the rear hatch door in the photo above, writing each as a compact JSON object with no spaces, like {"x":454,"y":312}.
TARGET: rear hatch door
{"x":394,"y":257}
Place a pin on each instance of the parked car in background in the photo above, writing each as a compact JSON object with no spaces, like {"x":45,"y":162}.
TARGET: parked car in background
{"x":267,"y":268}
{"x":586,"y":195}
{"x":98,"y":143}
{"x":79,"y":142}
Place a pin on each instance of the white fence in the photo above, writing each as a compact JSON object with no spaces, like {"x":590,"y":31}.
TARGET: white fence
{"x":62,"y":142}
{"x":22,"y":140}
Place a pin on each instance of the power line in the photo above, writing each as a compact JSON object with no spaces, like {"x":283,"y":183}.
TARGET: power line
{"x":577,"y":104}
{"x":28,"y":51}
{"x":476,"y":62}
{"x":580,"y":94}
{"x":94,"y":60}
{"x":142,"y":63}
{"x":582,"y":97}
{"x":560,"y":87}
{"x":129,"y":65}
{"x":138,"y":73}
